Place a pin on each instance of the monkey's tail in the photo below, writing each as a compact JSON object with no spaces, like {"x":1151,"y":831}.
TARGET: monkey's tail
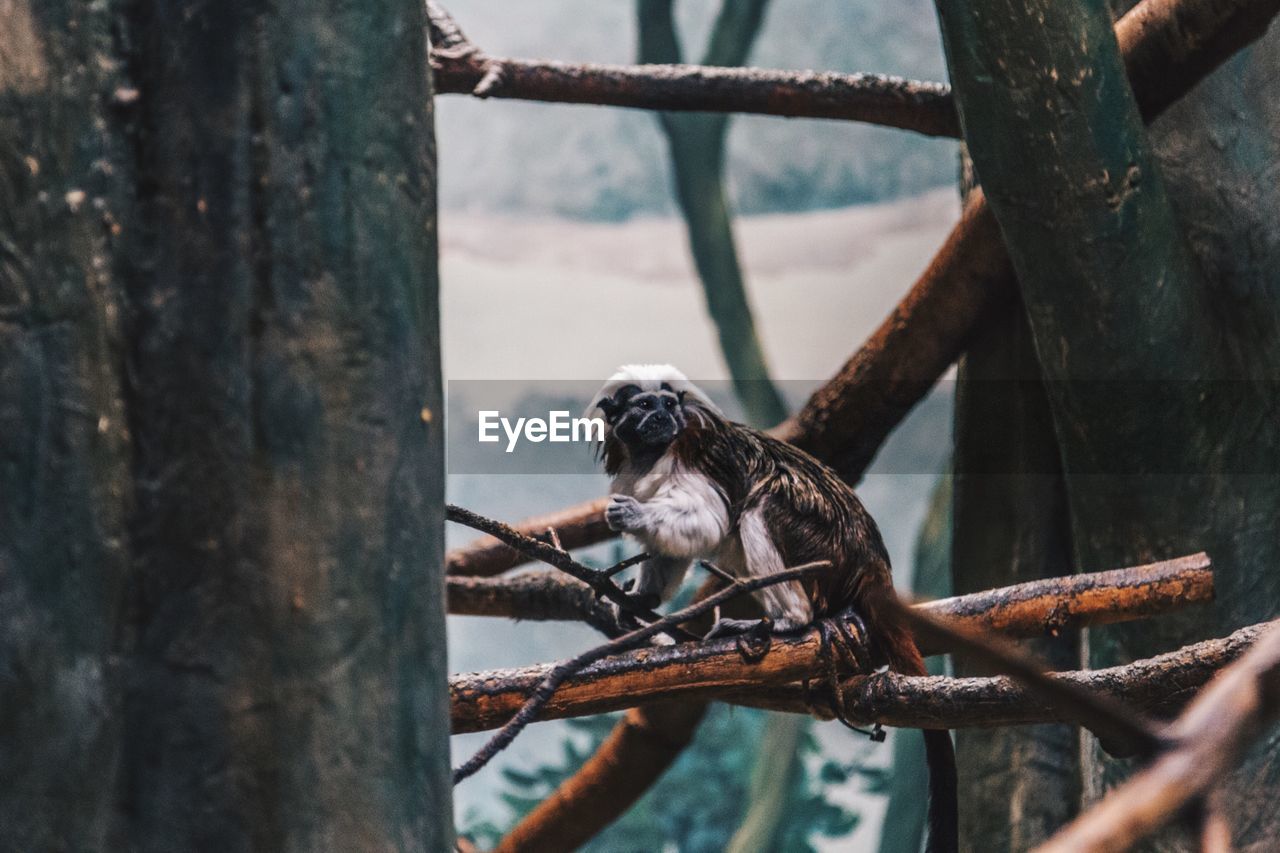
{"x":944,"y":810}
{"x":904,"y":657}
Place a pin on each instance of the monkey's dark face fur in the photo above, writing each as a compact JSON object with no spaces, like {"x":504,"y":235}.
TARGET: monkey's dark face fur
{"x":646,"y":422}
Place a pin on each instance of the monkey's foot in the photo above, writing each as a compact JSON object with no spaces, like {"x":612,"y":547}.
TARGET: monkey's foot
{"x":623,"y":617}
{"x":755,"y":636}
{"x":846,"y":634}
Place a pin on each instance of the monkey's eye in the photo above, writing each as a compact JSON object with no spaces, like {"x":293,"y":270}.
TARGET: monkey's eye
{"x":646,"y":403}
{"x":669,"y":403}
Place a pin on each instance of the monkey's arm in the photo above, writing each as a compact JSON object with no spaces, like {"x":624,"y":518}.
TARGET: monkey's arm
{"x":688,"y":522}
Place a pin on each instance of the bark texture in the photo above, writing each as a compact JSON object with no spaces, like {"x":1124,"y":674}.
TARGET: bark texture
{"x":1145,"y":263}
{"x":1159,"y":686}
{"x":227,"y":412}
{"x":1011,"y":526}
{"x":485,"y":699}
{"x":64,"y":452}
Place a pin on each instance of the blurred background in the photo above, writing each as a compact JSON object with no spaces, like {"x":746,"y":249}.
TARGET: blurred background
{"x":591,"y":268}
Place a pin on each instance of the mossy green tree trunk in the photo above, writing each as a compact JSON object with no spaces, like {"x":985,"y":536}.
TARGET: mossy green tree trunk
{"x":696,"y":142}
{"x":221,"y":523}
{"x":1146,"y":267}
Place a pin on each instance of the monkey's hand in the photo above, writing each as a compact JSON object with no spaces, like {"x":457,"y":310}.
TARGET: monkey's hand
{"x":624,"y":514}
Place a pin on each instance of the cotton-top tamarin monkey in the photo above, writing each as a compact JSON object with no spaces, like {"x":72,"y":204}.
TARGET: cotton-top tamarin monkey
{"x":690,"y":484}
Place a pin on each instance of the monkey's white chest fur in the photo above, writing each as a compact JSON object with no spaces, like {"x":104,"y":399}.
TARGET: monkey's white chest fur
{"x":684,"y":513}
{"x":682,"y":516}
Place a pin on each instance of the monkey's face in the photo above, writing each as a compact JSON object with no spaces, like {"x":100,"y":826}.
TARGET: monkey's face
{"x":644,"y":419}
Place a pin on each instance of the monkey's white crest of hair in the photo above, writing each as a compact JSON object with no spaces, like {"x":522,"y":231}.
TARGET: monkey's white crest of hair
{"x":649,"y":377}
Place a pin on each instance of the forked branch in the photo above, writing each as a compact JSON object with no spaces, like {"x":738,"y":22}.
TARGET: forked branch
{"x":545,"y":690}
{"x":557,"y":556}
{"x":1203,"y":745}
{"x":710,"y":669}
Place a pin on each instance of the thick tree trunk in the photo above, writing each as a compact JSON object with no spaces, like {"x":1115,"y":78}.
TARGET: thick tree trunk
{"x":64,"y":447}
{"x":1147,"y":270}
{"x":225,"y":354}
{"x":1011,"y":526}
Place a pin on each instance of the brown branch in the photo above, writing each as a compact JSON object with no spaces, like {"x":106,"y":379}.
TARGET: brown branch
{"x":638,"y":750}
{"x":845,"y":422}
{"x":546,"y":688}
{"x":1121,"y":731}
{"x":483,"y":700}
{"x":1168,"y":46}
{"x":533,"y":595}
{"x":461,"y":67}
{"x":1205,"y":744}
{"x":577,"y":526}
{"x":1029,"y":609}
{"x":1158,"y":687}
{"x":598,"y":580}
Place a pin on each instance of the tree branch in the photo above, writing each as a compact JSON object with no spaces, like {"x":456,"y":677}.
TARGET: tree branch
{"x":1206,"y":743}
{"x":1120,"y":731}
{"x":641,"y":747}
{"x":1168,"y":46}
{"x":577,"y":526}
{"x":1030,"y":609}
{"x":461,"y":67}
{"x":546,"y":689}
{"x":1157,"y":686}
{"x":557,"y":556}
{"x":534,"y":595}
{"x":638,"y":750}
{"x":484,"y":700}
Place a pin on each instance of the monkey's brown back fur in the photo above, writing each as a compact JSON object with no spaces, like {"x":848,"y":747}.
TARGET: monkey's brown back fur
{"x":812,"y":515}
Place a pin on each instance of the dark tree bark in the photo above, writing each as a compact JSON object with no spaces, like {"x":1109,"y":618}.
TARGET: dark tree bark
{"x":1011,"y":526}
{"x":64,"y":446}
{"x":905,"y":818}
{"x":697,"y":145}
{"x":1147,"y":269}
{"x":222,"y":592}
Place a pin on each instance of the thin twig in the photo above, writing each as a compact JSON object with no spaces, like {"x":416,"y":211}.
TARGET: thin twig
{"x":717,"y":571}
{"x":560,"y":559}
{"x":544,"y":691}
{"x":623,"y":565}
{"x":535,"y":595}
